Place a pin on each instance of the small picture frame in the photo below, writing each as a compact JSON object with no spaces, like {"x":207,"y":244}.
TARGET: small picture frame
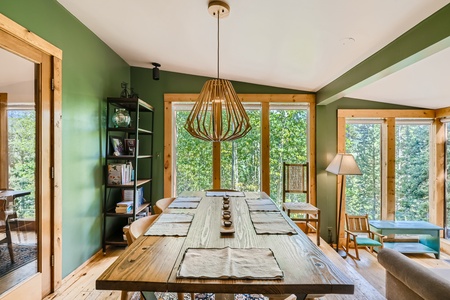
{"x":117,"y":146}
{"x":130,"y":146}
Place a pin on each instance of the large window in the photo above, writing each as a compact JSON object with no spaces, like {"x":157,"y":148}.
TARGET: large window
{"x":241,"y":159}
{"x":193,"y":167}
{"x":412,"y":171}
{"x":288,"y":143}
{"x":280,"y":132}
{"x":363,"y":193}
{"x":393,"y":150}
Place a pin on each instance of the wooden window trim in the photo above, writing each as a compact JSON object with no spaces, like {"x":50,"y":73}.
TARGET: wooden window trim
{"x":265,"y":100}
{"x":437,"y":163}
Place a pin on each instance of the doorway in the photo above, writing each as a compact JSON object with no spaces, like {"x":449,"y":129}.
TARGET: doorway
{"x":30,"y":164}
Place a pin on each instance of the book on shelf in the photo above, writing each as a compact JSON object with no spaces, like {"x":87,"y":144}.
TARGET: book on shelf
{"x":120,"y":173}
{"x":127,"y":195}
{"x":123,"y":209}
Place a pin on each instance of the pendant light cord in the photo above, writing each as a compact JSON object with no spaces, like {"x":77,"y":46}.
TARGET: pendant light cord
{"x":218,"y":42}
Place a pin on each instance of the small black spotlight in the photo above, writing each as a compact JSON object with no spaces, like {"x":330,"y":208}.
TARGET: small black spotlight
{"x":156,"y":70}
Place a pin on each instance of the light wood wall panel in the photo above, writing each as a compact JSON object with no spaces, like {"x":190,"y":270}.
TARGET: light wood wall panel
{"x":4,"y":176}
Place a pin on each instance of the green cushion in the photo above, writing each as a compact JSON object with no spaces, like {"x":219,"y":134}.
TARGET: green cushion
{"x":364,"y":241}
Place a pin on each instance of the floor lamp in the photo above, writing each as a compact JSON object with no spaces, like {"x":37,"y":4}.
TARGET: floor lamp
{"x":342,"y":164}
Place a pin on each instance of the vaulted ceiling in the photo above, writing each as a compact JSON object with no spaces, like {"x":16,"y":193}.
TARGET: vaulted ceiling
{"x":298,"y":44}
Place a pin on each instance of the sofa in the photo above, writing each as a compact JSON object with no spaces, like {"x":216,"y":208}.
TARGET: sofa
{"x":408,"y":280}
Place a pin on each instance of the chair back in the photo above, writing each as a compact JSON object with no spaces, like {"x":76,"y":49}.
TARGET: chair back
{"x":138,"y":228}
{"x":162,"y":204}
{"x":357,"y":224}
{"x":295,"y":179}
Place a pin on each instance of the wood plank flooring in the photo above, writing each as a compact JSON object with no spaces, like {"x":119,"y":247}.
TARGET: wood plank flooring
{"x":367,"y":274}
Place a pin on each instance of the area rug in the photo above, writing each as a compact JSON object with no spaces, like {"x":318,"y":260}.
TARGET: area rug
{"x":187,"y":296}
{"x":23,"y":254}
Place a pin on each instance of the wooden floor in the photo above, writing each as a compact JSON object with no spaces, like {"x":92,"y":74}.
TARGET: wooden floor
{"x":367,"y":274}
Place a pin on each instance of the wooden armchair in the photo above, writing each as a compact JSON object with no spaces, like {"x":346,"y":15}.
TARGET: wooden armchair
{"x":161,"y":205}
{"x":4,"y":228}
{"x":359,"y":234}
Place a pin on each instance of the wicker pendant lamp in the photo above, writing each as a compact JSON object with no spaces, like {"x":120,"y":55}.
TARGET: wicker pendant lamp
{"x":218,"y":114}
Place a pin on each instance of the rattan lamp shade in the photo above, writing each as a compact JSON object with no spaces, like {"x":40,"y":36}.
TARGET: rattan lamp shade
{"x":218,"y":115}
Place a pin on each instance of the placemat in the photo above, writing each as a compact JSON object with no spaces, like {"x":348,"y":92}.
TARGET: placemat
{"x":171,"y":225}
{"x":271,"y":223}
{"x":229,"y":263}
{"x":261,"y":205}
{"x":185,"y":202}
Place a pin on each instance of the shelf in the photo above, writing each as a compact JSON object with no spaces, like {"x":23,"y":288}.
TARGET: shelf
{"x":131,"y":104}
{"x":141,"y":207}
{"x":130,"y":130}
{"x":129,"y":185}
{"x":127,"y":157}
{"x":410,"y":247}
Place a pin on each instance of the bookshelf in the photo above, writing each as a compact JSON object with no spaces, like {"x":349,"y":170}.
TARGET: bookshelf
{"x":126,"y":168}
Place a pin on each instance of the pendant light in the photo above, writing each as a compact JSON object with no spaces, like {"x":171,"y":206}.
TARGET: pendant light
{"x":218,"y":115}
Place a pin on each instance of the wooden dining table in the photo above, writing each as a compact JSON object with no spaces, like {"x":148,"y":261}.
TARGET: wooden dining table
{"x":151,"y":263}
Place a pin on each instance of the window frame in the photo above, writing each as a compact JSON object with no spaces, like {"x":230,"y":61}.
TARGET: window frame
{"x":265,"y":101}
{"x":389,"y":118}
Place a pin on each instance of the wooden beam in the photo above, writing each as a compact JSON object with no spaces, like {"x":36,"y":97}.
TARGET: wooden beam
{"x":216,"y":165}
{"x":388,"y":205}
{"x":4,"y":166}
{"x":423,"y":40}
{"x":386,"y":113}
{"x":437,"y":173}
{"x":268,"y":98}
{"x":168,"y":124}
{"x":312,"y":154}
{"x":341,"y":137}
{"x":265,"y":148}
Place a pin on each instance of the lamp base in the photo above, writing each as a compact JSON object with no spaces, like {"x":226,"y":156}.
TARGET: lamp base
{"x":341,"y":253}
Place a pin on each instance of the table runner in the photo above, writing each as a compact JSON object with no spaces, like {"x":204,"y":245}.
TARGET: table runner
{"x":261,"y":205}
{"x":171,"y":225}
{"x":229,"y":263}
{"x":186,"y":202}
{"x":271,"y":223}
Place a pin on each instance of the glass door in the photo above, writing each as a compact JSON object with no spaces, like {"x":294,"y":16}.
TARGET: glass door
{"x":18,"y":223}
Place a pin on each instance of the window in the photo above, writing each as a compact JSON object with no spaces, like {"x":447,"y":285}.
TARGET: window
{"x":412,"y":164}
{"x":393,"y":150}
{"x":288,"y":143}
{"x":280,"y":132}
{"x":363,"y":192}
{"x":241,"y":159}
{"x":193,"y":167}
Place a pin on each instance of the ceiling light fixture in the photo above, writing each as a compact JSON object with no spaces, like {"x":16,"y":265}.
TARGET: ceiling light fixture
{"x":155,"y":70}
{"x":218,"y":115}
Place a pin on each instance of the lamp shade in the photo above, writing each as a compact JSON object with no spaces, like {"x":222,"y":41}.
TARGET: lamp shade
{"x":343,"y":164}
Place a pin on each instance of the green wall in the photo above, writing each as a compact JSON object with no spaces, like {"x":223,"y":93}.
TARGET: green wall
{"x":152,"y":91}
{"x":91,"y":72}
{"x":326,"y":146}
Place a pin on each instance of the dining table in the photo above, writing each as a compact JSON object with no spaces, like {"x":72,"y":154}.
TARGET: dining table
{"x":189,"y":249}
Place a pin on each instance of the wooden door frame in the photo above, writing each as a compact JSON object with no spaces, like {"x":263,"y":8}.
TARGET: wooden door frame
{"x":19,"y":40}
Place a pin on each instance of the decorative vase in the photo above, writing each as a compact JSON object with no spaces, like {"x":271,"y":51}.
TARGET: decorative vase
{"x":121,"y":118}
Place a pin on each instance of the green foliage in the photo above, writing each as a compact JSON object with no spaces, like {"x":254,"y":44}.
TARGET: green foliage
{"x":241,"y":159}
{"x":412,"y":172}
{"x":288,"y":143}
{"x":363,"y":192}
{"x":21,"y":149}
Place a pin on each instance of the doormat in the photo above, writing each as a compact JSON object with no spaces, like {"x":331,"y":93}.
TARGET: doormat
{"x":23,"y":254}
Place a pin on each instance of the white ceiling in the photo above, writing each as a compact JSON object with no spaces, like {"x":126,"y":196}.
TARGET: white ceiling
{"x":298,"y":44}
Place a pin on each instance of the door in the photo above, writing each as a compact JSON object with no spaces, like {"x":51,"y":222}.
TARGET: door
{"x":30,"y":135}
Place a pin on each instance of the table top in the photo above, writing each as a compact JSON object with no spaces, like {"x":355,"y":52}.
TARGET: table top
{"x":404,"y":225}
{"x":151,"y":262}
{"x":300,"y":206}
{"x":14,"y":194}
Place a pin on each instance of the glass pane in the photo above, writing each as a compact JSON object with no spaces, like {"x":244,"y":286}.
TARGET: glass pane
{"x":18,"y":222}
{"x":240,"y":159}
{"x":193,"y":159}
{"x":288,"y":143}
{"x":447,"y":183}
{"x":412,"y":172}
{"x":363,"y":192}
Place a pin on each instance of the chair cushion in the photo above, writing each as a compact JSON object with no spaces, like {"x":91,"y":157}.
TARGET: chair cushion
{"x":365,"y":241}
